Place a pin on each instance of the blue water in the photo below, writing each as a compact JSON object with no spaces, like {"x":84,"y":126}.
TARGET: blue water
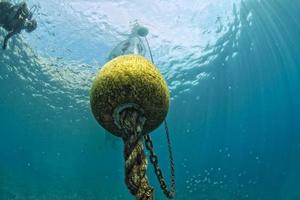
{"x":233,"y":68}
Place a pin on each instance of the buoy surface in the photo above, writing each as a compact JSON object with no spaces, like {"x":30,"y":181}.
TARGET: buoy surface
{"x":129,"y":80}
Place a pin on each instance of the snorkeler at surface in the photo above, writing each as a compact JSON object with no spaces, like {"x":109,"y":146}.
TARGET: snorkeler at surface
{"x":132,"y":45}
{"x":14,"y":19}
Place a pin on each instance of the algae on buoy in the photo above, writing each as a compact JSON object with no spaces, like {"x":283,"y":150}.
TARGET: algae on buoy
{"x":129,"y":80}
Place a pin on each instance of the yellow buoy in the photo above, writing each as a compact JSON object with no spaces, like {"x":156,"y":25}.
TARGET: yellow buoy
{"x":129,"y":81}
{"x":130,"y":98}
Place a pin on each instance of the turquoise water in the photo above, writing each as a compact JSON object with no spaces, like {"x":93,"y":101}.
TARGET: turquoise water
{"x":233,"y":71}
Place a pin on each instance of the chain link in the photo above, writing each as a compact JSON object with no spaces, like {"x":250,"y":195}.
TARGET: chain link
{"x":154,"y":160}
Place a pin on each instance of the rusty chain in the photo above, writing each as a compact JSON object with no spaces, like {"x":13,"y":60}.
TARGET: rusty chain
{"x":154,"y":160}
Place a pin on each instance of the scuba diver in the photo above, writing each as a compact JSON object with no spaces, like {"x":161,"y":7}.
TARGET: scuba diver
{"x":132,"y":45}
{"x":14,"y":19}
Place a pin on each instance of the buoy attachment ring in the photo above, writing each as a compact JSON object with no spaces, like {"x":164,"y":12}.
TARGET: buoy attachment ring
{"x":121,"y":108}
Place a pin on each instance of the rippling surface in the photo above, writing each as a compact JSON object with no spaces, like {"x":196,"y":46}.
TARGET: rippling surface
{"x":233,"y":71}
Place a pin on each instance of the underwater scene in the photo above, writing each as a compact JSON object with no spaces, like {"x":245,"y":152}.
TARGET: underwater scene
{"x":128,"y":99}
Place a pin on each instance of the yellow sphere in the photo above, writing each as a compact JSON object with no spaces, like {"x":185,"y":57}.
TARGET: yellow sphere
{"x":126,"y":80}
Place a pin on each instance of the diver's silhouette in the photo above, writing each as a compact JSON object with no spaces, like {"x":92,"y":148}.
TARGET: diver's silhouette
{"x":14,"y":19}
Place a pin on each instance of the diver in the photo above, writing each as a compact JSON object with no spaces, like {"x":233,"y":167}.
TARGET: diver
{"x":15,"y":18}
{"x":132,"y":45}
